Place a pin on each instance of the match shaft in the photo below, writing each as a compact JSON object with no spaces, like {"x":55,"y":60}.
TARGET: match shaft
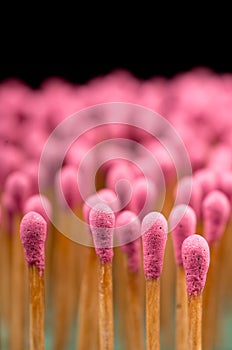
{"x":153,"y":314}
{"x":195,"y":322}
{"x":36,"y":310}
{"x":105,"y":306}
{"x":181,"y":310}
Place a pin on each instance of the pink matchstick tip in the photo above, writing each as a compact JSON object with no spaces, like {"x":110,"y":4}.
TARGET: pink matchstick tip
{"x":128,"y":232}
{"x":67,"y":187}
{"x":182,"y":224}
{"x":102,"y":222}
{"x":104,"y":195}
{"x":18,"y":188}
{"x":33,"y":232}
{"x":216,"y":210}
{"x":40,"y":204}
{"x":196,"y":258}
{"x":154,"y":237}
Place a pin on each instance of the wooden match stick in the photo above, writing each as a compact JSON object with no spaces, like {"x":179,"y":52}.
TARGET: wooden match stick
{"x":154,"y":237}
{"x":33,"y":231}
{"x":102,"y":221}
{"x":216,"y":211}
{"x":128,"y":232}
{"x":196,"y":257}
{"x":182,"y":224}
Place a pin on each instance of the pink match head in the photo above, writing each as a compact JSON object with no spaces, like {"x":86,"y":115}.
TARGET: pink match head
{"x":119,"y":178}
{"x":182,"y":224}
{"x":33,"y":232}
{"x":40,"y":204}
{"x":102,"y":222}
{"x":225,"y":184}
{"x":128,"y":232}
{"x":143,"y":196}
{"x":216,"y":210}
{"x":206,"y":179}
{"x":67,"y":187}
{"x":196,"y":257}
{"x":154,"y":237}
{"x":18,"y":188}
{"x":104,"y":195}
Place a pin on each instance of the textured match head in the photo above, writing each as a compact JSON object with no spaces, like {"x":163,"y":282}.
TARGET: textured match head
{"x":104,"y":195}
{"x":33,"y":232}
{"x":154,"y":237}
{"x":215,"y":210}
{"x":40,"y":204}
{"x":182,"y":224}
{"x":196,"y":258}
{"x":102,"y":222}
{"x":128,"y":232}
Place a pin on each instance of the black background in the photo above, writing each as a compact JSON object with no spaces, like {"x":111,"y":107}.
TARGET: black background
{"x":79,"y":53}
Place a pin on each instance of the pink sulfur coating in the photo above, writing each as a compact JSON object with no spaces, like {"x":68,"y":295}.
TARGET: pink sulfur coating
{"x":154,"y":237}
{"x":40,"y":204}
{"x":182,"y":224}
{"x":102,"y":222}
{"x":67,"y":187}
{"x":216,"y":211}
{"x":225,"y":184}
{"x":119,"y":178}
{"x":18,"y":188}
{"x":196,"y":258}
{"x":143,"y":196}
{"x":128,"y":232}
{"x":105,"y":195}
{"x":206,"y":179}
{"x":33,"y":232}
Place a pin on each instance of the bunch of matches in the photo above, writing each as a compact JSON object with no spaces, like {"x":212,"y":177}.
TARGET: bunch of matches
{"x":103,"y":184}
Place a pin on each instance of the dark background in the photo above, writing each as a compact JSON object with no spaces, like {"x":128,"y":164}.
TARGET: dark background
{"x":79,"y":52}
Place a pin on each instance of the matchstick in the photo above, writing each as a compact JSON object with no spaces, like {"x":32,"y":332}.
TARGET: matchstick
{"x":183,"y":224}
{"x":154,"y":237}
{"x":215,"y":211}
{"x":128,"y":232}
{"x":33,"y":231}
{"x":196,"y":257}
{"x":102,"y":221}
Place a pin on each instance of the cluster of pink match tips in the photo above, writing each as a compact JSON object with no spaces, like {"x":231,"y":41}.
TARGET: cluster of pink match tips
{"x":122,"y":212}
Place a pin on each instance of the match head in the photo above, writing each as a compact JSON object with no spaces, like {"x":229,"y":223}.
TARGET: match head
{"x":182,"y":224}
{"x":128,"y":232}
{"x":102,"y":222}
{"x":143,"y":196}
{"x":104,"y":195}
{"x":67,"y":187}
{"x":18,"y":188}
{"x":40,"y":204}
{"x":216,"y":211}
{"x":196,"y":258}
{"x":154,"y":237}
{"x":33,"y":233}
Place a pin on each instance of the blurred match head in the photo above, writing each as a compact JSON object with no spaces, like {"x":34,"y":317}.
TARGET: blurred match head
{"x":102,"y":222}
{"x":182,"y":224}
{"x":18,"y":188}
{"x":40,"y":204}
{"x":215,"y":210}
{"x":128,"y":232}
{"x":67,"y":187}
{"x":33,"y":232}
{"x":154,"y":237}
{"x":196,"y":258}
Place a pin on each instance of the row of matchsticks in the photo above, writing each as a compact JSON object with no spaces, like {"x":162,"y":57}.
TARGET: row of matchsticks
{"x":80,"y":281}
{"x":161,"y":285}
